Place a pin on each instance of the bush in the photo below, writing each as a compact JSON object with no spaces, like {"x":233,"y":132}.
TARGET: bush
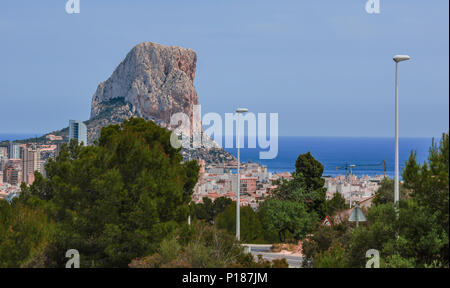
{"x":251,"y":229}
{"x":117,"y":200}
{"x":334,"y":257}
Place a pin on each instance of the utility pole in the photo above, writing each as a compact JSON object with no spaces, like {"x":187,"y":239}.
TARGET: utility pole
{"x":397,"y":59}
{"x":238,"y":219}
{"x":351,"y":182}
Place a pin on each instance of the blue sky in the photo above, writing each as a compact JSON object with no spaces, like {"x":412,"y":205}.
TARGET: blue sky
{"x":325,"y":66}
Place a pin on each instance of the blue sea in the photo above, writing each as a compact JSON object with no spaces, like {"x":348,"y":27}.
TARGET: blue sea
{"x":332,"y":152}
{"x":18,"y":136}
{"x":335,"y":152}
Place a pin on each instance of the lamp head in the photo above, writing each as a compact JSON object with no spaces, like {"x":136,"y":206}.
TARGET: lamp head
{"x":400,"y":58}
{"x":241,"y":110}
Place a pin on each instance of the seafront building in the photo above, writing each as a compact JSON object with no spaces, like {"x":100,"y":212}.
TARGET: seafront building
{"x":12,"y":172}
{"x":217,"y":181}
{"x":352,"y":187}
{"x":13,"y":151}
{"x":257,"y":183}
{"x":20,"y":160}
{"x":3,"y":152}
{"x":31,"y":161}
{"x":31,"y":157}
{"x":78,"y":131}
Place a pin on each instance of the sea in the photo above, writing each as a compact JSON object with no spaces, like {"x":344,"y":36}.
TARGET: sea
{"x":18,"y":136}
{"x":335,"y":153}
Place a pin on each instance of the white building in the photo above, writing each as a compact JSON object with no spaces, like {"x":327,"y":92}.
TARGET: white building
{"x":78,"y":131}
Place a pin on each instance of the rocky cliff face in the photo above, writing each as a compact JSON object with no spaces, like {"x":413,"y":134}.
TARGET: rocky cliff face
{"x":153,"y":82}
{"x":156,"y":80}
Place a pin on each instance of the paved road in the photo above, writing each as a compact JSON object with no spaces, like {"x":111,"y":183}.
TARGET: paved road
{"x":293,"y":261}
{"x":264,"y":251}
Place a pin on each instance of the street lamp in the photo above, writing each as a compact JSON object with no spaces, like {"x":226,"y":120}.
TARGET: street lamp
{"x":397,"y":59}
{"x":238,"y":219}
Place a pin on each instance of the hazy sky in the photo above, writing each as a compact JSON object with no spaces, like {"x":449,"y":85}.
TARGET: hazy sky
{"x":325,"y":66}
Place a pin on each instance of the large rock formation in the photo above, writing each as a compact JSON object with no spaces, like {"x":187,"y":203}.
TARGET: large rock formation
{"x":153,"y":82}
{"x":158,"y":81}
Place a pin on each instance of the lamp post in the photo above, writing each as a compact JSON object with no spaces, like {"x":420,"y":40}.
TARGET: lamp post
{"x":238,"y":219}
{"x":351,"y":182}
{"x":397,"y":59}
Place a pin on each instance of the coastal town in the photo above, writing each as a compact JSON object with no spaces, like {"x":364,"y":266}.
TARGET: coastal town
{"x":218,"y":143}
{"x":19,"y":161}
{"x":257,"y":183}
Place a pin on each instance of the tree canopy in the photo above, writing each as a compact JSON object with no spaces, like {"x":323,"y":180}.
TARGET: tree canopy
{"x":335,"y":204}
{"x":311,"y":169}
{"x":414,"y":235}
{"x":251,"y":229}
{"x":116,"y":200}
{"x":24,"y":233}
{"x":208,"y":210}
{"x":385,"y":194}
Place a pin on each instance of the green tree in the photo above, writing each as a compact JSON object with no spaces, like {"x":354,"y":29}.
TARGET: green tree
{"x":429,"y":185}
{"x":251,"y":229}
{"x":206,"y":247}
{"x":322,"y":239}
{"x":429,"y":182}
{"x":116,"y":200}
{"x":296,"y":204}
{"x":335,"y":204}
{"x":385,"y":194}
{"x":205,"y":210}
{"x":334,"y":257}
{"x":286,"y":216}
{"x":208,"y":210}
{"x":397,"y":261}
{"x":306,"y":187}
{"x":413,"y":235}
{"x":24,"y":233}
{"x":311,"y":169}
{"x":380,"y":229}
{"x":221,"y":203}
{"x":420,"y":235}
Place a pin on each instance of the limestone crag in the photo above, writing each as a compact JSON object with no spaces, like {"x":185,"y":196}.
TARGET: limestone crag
{"x":153,"y":82}
{"x":158,"y":81}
